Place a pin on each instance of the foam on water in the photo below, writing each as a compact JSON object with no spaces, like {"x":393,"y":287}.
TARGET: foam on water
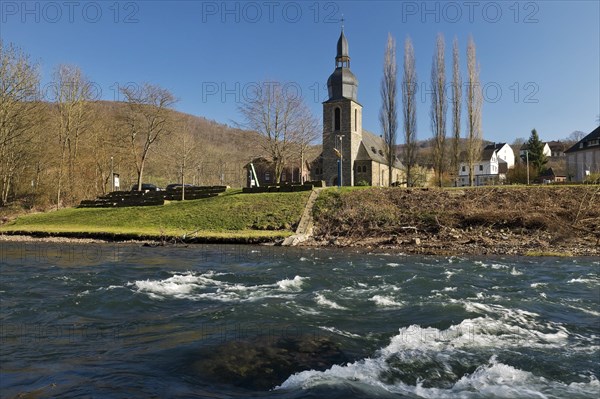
{"x":435,"y":351}
{"x":294,"y":284}
{"x":322,"y":301}
{"x":195,"y":286}
{"x":516,"y":272}
{"x":340,"y":332}
{"x":536,"y":285}
{"x":582,"y":280}
{"x":385,"y":301}
{"x":588,"y":311}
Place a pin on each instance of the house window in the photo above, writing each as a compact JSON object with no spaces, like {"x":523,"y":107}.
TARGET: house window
{"x":481,"y":168}
{"x":464,"y":168}
{"x":337,"y":119}
{"x":267,"y":176}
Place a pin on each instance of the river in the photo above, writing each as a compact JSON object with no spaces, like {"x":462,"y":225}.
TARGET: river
{"x":125,"y":321}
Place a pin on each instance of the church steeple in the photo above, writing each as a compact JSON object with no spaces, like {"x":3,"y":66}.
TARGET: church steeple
{"x":342,"y":83}
{"x":342,"y":59}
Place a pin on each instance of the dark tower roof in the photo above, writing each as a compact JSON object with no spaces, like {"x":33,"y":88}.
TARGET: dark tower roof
{"x":342,"y":83}
{"x":342,"y":47}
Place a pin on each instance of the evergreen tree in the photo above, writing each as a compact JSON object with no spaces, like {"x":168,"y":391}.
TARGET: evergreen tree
{"x":535,"y":146}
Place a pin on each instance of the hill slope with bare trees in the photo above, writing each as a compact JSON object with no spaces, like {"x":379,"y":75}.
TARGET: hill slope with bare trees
{"x":207,"y":152}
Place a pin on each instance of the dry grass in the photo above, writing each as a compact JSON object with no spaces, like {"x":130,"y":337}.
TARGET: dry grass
{"x":562,"y":212}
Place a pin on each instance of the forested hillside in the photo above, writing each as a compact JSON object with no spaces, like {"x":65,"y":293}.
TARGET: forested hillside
{"x":61,"y":146}
{"x":207,"y":152}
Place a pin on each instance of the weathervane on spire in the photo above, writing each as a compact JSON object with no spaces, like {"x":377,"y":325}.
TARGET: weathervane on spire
{"x":342,"y":22}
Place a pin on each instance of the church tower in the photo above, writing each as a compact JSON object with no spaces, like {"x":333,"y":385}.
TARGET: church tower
{"x":342,"y":120}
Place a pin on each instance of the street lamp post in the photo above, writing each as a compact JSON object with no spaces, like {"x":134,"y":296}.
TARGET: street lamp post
{"x":527,"y":157}
{"x":341,"y":162}
{"x":112,"y":175}
{"x":341,"y":172}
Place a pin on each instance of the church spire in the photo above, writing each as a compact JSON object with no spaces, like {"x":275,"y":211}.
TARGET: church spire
{"x":342,"y":83}
{"x":342,"y":58}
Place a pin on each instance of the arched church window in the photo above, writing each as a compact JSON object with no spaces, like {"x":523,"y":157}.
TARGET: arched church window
{"x":337,"y":119}
{"x":355,"y":119}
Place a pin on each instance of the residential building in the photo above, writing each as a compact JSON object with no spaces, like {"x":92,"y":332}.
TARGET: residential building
{"x":583,"y":158}
{"x":553,"y":175}
{"x":504,"y":152}
{"x":489,"y":169}
{"x":557,"y":148}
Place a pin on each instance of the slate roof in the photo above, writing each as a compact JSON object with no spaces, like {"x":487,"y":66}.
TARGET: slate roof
{"x":583,"y":144}
{"x":557,"y":146}
{"x":494,"y":146}
{"x":370,"y":142}
{"x":342,"y":46}
{"x":555,"y":171}
{"x":486,"y":155}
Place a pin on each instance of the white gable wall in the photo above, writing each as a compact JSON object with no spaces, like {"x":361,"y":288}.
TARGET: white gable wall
{"x":507,"y":154}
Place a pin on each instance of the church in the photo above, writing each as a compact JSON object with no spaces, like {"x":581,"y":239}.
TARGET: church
{"x":349,"y":153}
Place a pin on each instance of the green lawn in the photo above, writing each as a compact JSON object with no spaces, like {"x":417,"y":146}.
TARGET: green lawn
{"x":230,"y":215}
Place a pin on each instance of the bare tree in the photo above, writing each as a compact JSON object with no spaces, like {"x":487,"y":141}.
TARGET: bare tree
{"x":456,"y":107}
{"x":147,"y":120}
{"x":73,"y":92}
{"x":409,"y":109}
{"x":474,"y":99}
{"x":19,"y":114}
{"x":439,"y":107}
{"x":185,"y":147}
{"x":576,"y":136}
{"x":388,"y":114}
{"x":280,"y":117}
{"x":308,"y":132}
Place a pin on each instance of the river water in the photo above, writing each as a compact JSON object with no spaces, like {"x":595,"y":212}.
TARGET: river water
{"x":124,"y":321}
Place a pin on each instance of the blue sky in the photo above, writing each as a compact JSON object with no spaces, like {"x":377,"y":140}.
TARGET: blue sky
{"x":540,"y":60}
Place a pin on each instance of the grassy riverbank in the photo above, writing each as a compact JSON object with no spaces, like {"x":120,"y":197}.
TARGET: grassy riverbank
{"x":537,"y":220}
{"x":233,"y":216}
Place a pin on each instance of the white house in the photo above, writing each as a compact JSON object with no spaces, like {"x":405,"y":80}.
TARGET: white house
{"x":489,"y":169}
{"x":504,"y":152}
{"x":583,"y":159}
